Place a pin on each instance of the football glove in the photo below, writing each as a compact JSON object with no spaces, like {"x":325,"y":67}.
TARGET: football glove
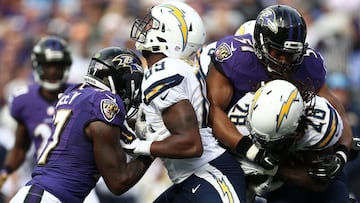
{"x":355,"y":148}
{"x":252,"y":169}
{"x":134,"y":144}
{"x":261,"y":157}
{"x":267,"y":186}
{"x":128,"y":140}
{"x":329,"y":166}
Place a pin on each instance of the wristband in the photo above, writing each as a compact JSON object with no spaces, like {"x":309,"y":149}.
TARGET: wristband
{"x":143,"y":147}
{"x":246,"y":147}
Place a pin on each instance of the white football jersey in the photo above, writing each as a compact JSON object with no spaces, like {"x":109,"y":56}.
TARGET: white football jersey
{"x":168,"y":82}
{"x":203,"y":56}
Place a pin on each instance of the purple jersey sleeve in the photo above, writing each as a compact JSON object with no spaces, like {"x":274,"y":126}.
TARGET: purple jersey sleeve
{"x":235,"y":58}
{"x":66,"y":167}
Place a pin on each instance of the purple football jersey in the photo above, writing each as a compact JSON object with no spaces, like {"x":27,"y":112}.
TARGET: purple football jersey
{"x":36,"y":113}
{"x":235,"y":57}
{"x":66,"y":168}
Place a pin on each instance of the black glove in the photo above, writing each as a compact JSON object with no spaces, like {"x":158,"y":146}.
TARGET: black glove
{"x":329,"y":166}
{"x":261,"y":157}
{"x":355,"y":148}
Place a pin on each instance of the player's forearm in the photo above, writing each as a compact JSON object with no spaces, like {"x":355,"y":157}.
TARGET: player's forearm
{"x":120,"y":181}
{"x":14,"y":159}
{"x":297,"y":175}
{"x":224,"y":130}
{"x":346,"y":137}
{"x":176,"y":147}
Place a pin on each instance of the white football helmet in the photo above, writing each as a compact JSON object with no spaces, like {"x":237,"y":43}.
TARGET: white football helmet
{"x":172,"y":28}
{"x":275,"y":112}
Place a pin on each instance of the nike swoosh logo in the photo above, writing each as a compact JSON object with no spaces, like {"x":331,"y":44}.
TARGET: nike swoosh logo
{"x":129,"y":137}
{"x":232,"y":47}
{"x":268,"y":160}
{"x":193,"y":190}
{"x":164,"y":97}
{"x":358,"y":143}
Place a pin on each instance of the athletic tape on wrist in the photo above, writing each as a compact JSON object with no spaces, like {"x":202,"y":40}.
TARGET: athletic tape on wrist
{"x":252,"y":152}
{"x":143,"y":148}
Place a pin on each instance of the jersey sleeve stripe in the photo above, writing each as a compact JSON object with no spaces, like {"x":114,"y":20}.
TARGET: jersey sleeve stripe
{"x":160,"y":86}
{"x":331,"y":131}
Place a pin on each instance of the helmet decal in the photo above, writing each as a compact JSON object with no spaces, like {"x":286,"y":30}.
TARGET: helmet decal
{"x":125,"y":61}
{"x":117,"y":70}
{"x":267,"y":18}
{"x":179,"y":15}
{"x":285,"y":108}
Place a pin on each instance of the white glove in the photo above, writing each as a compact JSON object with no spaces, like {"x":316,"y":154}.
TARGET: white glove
{"x":267,"y":186}
{"x":128,"y":141}
{"x":158,"y":135}
{"x":251,"y":168}
{"x":142,"y":147}
{"x":139,"y":147}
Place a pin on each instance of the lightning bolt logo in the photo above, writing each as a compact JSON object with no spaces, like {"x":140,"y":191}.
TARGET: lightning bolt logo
{"x":285,"y":108}
{"x":256,"y":97}
{"x":179,"y":15}
{"x":224,"y":187}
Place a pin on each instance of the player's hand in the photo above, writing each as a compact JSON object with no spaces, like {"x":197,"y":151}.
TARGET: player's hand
{"x":261,"y":157}
{"x":3,"y":177}
{"x":355,"y":148}
{"x":128,"y":140}
{"x":326,"y":167}
{"x":267,"y":186}
{"x":329,"y":166}
{"x":134,"y":145}
{"x":266,"y":160}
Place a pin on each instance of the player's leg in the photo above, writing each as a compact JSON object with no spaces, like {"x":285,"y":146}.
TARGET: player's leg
{"x":221,"y":180}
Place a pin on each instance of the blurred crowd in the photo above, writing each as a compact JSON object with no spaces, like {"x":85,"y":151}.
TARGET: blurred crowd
{"x":88,"y":25}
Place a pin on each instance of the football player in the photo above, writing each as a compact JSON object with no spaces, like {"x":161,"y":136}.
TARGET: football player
{"x":299,"y":133}
{"x":88,"y":121}
{"x":276,"y":50}
{"x":174,"y":95}
{"x":33,"y":106}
